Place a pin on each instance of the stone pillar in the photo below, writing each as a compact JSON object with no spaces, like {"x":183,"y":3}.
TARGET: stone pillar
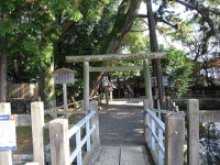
{"x":147,"y":78}
{"x":86,"y":86}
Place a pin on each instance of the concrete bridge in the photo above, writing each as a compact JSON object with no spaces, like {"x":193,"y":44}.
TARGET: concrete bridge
{"x":126,"y":132}
{"x":122,"y":134}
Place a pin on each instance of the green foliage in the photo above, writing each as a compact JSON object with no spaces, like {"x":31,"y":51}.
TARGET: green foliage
{"x":47,"y":51}
{"x":70,"y":27}
{"x":32,"y":28}
{"x":178,"y":70}
{"x":194,"y":25}
{"x":134,"y":40}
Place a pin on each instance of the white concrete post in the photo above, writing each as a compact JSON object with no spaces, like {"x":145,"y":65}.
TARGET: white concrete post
{"x":193,"y":131}
{"x":86,"y":86}
{"x":95,"y":123}
{"x":111,"y":95}
{"x":106,"y":95}
{"x":59,"y":142}
{"x":174,"y":139}
{"x":65,"y":104}
{"x":147,"y":78}
{"x":5,"y":156}
{"x":147,"y":105}
{"x":37,"y":121}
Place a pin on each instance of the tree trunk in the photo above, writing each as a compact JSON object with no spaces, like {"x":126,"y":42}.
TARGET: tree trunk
{"x":126,"y":15}
{"x":3,"y":67}
{"x":3,"y":77}
{"x":158,"y":73}
{"x":46,"y":82}
{"x":49,"y":89}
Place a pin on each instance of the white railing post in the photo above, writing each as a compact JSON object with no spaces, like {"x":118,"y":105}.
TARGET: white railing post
{"x":88,"y":142}
{"x":147,"y":120}
{"x":84,"y":140}
{"x":59,"y":142}
{"x":153,"y":129}
{"x":37,"y":121}
{"x":78,"y":147}
{"x":148,"y":129}
{"x":5,"y":156}
{"x":160,"y":142}
{"x":193,"y":131}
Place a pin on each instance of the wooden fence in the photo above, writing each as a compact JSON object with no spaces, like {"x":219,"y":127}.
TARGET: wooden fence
{"x":204,"y":92}
{"x":165,"y":140}
{"x":23,"y":90}
{"x":55,"y":112}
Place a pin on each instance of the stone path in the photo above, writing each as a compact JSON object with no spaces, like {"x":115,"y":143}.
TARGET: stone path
{"x":121,"y":133}
{"x":129,"y":155}
{"x":121,"y":125}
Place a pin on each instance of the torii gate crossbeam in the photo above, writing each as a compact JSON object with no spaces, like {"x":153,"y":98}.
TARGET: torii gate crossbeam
{"x":111,"y":57}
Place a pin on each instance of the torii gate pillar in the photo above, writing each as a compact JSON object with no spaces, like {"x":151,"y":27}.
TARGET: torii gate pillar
{"x":147,"y":79}
{"x":86,"y":86}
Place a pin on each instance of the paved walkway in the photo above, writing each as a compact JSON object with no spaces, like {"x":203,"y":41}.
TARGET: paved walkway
{"x":123,"y":155}
{"x":121,"y":132}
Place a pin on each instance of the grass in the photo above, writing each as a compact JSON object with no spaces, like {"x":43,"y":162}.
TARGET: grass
{"x":24,"y":140}
{"x":24,"y":135}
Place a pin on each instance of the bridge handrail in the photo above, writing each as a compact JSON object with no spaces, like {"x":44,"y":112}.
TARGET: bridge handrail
{"x":76,"y":130}
{"x":157,"y":120}
{"x":80,"y":123}
{"x":164,"y":139}
{"x":54,"y":111}
{"x":156,"y":129}
{"x":84,"y":133}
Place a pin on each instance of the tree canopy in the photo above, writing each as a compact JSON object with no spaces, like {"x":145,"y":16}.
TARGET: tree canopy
{"x":37,"y":35}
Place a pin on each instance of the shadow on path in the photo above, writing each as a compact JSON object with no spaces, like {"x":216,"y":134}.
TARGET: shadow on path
{"x":122,"y":135}
{"x":121,"y":125}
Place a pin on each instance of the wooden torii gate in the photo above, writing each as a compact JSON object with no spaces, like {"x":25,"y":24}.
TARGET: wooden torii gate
{"x":86,"y":59}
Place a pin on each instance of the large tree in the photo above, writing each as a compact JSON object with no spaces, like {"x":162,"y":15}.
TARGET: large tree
{"x":41,"y":27}
{"x":28,"y":30}
{"x":48,"y":30}
{"x":158,"y":73}
{"x":194,"y":24}
{"x":5,"y":9}
{"x":105,"y":35}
